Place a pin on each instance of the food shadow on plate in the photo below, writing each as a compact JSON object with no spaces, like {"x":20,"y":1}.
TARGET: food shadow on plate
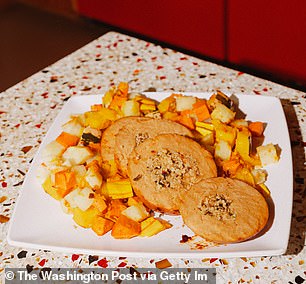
{"x":298,"y":219}
{"x":270,"y":219}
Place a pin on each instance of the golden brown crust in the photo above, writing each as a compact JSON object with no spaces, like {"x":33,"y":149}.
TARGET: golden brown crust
{"x":136,"y":131}
{"x":162,"y":168}
{"x":224,"y":210}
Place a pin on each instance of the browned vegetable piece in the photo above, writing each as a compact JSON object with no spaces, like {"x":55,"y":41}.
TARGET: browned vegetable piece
{"x":125,"y":228}
{"x":101,"y":225}
{"x":114,"y":210}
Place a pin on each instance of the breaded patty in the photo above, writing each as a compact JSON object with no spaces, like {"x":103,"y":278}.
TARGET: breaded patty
{"x":163,"y":168}
{"x":108,"y":142}
{"x":135,"y":132}
{"x":224,"y":210}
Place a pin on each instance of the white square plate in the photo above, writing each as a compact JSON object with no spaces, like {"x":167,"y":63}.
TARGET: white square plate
{"x":39,"y":222}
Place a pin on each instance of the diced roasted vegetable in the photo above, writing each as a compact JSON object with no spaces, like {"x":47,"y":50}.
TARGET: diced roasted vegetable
{"x":222,"y":113}
{"x":243,"y":143}
{"x":85,"y":218}
{"x":108,"y":96}
{"x":224,"y":132}
{"x":147,"y":107}
{"x":239,"y":123}
{"x":230,"y":167}
{"x":114,"y":210}
{"x":256,"y":128}
{"x":93,"y":176}
{"x":133,"y":201}
{"x":206,"y":125}
{"x":109,"y":169}
{"x":171,"y":116}
{"x":77,"y":155}
{"x":125,"y":228}
{"x":220,"y":98}
{"x":100,"y":119}
{"x":50,"y":189}
{"x":73,"y":127}
{"x":91,"y":137}
{"x":245,"y":175}
{"x":67,"y":139}
{"x":52,"y":151}
{"x":100,"y":203}
{"x":186,"y":119}
{"x":101,"y":225}
{"x":65,"y":181}
{"x":131,"y":108}
{"x":151,"y":227}
{"x":200,"y":110}
{"x":203,"y":131}
{"x":136,"y":212}
{"x":267,"y":154}
{"x":81,"y":198}
{"x":168,"y":104}
{"x":259,"y":175}
{"x":184,"y":103}
{"x":118,"y":189}
{"x":80,"y":172}
{"x":223,"y":150}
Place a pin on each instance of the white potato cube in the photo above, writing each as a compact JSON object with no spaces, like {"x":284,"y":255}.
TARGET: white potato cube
{"x":52,"y":151}
{"x":77,"y":155}
{"x":223,"y":150}
{"x":71,"y":197}
{"x":259,"y":175}
{"x":267,"y":154}
{"x":185,"y":103}
{"x":222,"y":113}
{"x":238,"y":123}
{"x":73,"y":127}
{"x":94,"y":178}
{"x":131,"y":108}
{"x":42,"y":173}
{"x":80,"y":172}
{"x":136,"y":212}
{"x":82,"y":198}
{"x":85,"y":198}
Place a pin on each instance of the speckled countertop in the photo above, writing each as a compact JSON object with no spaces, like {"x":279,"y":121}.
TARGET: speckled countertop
{"x":28,"y":109}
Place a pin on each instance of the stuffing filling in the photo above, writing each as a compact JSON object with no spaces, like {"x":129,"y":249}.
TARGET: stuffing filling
{"x":217,"y":206}
{"x":140,"y":137}
{"x":170,"y":169}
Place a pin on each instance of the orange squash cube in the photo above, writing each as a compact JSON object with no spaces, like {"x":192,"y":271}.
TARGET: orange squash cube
{"x":125,"y":228}
{"x":65,"y":181}
{"x":101,"y":225}
{"x":67,"y":139}
{"x":114,"y":210}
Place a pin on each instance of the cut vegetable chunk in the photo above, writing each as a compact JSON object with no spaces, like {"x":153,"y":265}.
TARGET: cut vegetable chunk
{"x":125,"y":228}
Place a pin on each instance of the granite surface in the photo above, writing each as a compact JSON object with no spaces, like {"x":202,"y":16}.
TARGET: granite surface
{"x":28,"y":109}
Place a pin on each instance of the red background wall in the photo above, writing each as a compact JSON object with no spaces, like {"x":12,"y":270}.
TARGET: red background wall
{"x":268,"y":37}
{"x":197,"y":25}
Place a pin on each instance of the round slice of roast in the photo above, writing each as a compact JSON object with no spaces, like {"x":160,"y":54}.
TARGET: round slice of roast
{"x":162,"y":169}
{"x":108,"y":142}
{"x":224,"y":210}
{"x":136,"y":131}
